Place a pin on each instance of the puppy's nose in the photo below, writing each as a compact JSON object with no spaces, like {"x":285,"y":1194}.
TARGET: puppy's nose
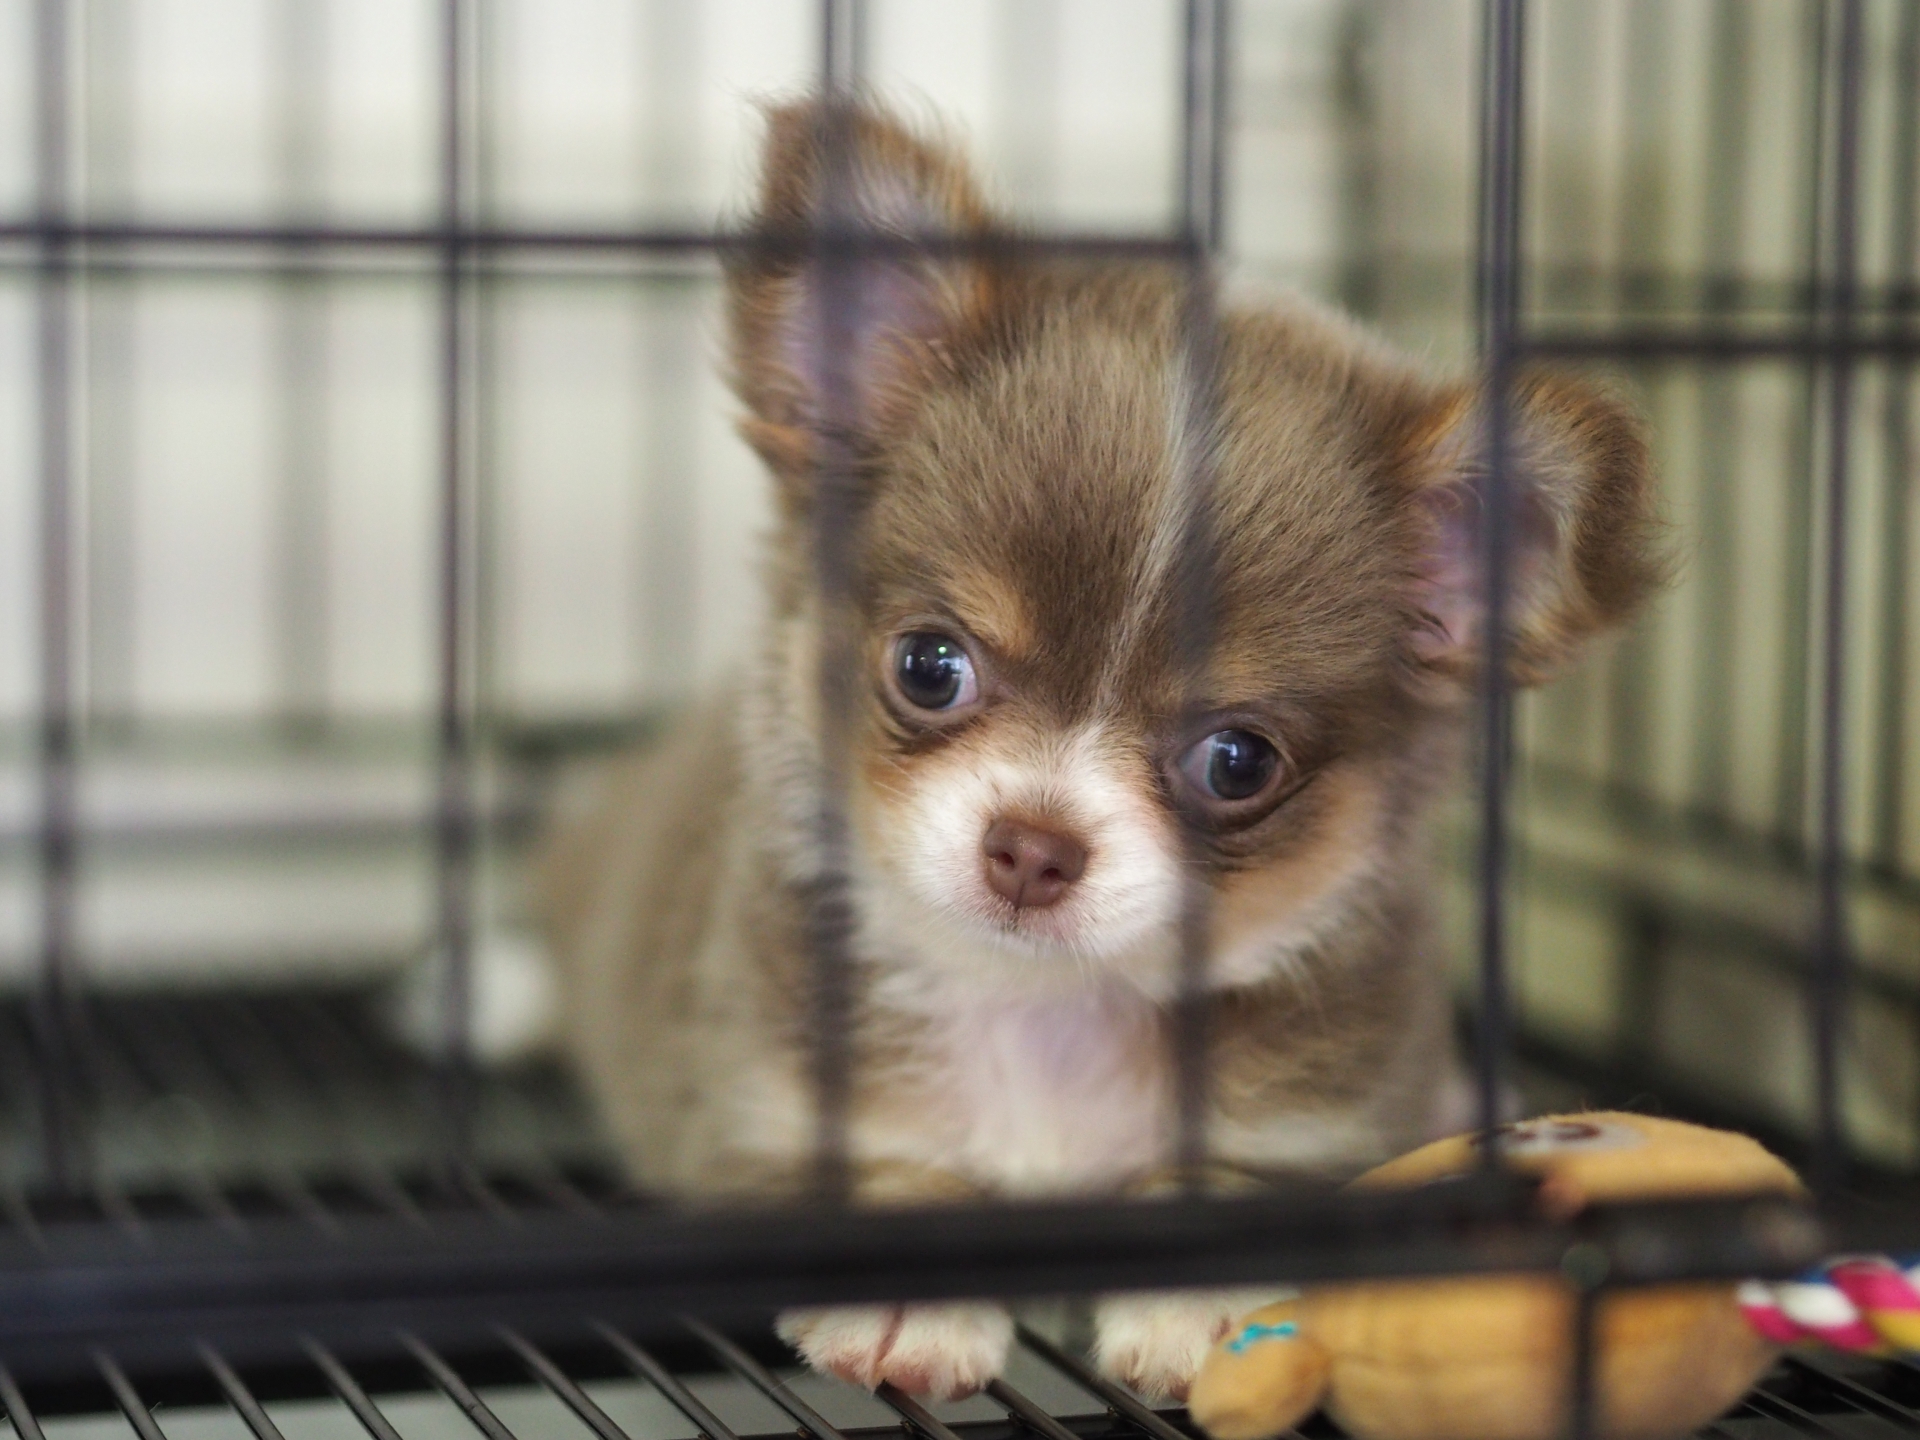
{"x":1029,"y":866}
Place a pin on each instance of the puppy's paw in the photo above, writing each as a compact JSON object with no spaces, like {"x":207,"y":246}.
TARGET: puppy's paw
{"x":1155,"y":1343}
{"x":944,"y":1352}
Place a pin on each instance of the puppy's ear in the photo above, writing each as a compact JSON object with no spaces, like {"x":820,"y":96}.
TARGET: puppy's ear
{"x":1586,"y":545}
{"x":849,"y":342}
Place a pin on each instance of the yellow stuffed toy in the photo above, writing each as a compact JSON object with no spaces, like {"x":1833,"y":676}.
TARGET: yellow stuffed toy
{"x":1489,"y":1357}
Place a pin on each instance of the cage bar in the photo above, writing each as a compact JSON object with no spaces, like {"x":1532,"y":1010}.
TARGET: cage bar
{"x":1903,"y":245}
{"x":127,"y":1397}
{"x":1502,"y":121}
{"x":1029,"y":1415}
{"x":486,"y":1230}
{"x":450,"y":1384}
{"x":838,"y":274}
{"x":765,"y":1381}
{"x":916,"y":1415}
{"x":1202,"y":180}
{"x":300,"y":548}
{"x":59,"y":836}
{"x":562,"y":1385}
{"x":456,"y":830}
{"x":25,"y":1425}
{"x":643,"y":1364}
{"x":1830,"y":989}
{"x":341,"y":1382}
{"x":1793,"y":778}
{"x":1723,"y":175}
{"x":239,"y":1396}
{"x":1122,"y":1402}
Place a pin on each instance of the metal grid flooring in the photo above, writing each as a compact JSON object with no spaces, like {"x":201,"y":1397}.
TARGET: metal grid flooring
{"x":612,"y":1387}
{"x":229,"y":1109}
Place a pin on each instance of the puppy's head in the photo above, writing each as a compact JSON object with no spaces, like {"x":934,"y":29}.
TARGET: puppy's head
{"x":1039,"y":763}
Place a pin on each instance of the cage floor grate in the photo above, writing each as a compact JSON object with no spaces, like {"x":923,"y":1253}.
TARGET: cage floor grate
{"x":224,"y":1106}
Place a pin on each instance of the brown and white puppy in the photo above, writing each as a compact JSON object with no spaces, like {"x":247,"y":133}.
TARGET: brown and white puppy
{"x":1032,"y":773}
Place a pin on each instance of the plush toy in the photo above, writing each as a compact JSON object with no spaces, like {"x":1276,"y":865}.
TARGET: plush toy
{"x":1489,"y":1357}
{"x":1866,"y":1304}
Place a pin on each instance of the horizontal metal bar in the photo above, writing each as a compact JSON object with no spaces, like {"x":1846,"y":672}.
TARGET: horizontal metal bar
{"x":1776,"y":856}
{"x":1705,"y":344}
{"x":65,"y":237}
{"x":468,"y":1271}
{"x":254,"y":832}
{"x":645,"y":272}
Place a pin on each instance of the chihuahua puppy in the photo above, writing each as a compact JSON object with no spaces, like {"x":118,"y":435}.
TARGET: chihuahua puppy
{"x":1035,"y":768}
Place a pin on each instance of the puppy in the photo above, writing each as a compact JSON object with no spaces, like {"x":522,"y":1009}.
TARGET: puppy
{"x":1035,"y":770}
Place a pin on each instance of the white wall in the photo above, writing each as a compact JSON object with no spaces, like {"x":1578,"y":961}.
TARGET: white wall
{"x":256,"y":464}
{"x":218,"y":466}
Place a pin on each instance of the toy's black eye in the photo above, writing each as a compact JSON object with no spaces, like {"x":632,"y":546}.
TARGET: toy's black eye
{"x":1231,"y":765}
{"x":934,"y":672}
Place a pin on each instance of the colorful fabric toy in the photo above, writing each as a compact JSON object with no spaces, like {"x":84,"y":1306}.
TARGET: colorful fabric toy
{"x":1868,"y":1304}
{"x":1488,"y":1357}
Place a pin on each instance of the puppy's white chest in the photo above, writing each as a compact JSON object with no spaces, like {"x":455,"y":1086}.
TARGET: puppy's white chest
{"x":1060,"y":1093}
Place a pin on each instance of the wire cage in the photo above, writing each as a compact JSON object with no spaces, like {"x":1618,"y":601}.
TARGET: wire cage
{"x":232,"y":1201}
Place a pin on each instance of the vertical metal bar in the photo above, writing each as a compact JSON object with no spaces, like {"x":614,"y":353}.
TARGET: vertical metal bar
{"x":1723,"y":184}
{"x":300,"y":569}
{"x":104,"y":315}
{"x":1202,"y":161}
{"x":1641,"y":215}
{"x":455,"y":826}
{"x":58,"y":837}
{"x":1501,"y":115}
{"x":1203,"y":124}
{"x":1889,"y":830}
{"x":844,"y":28}
{"x":1362,"y":146}
{"x":482,"y":292}
{"x":836,"y":268}
{"x":1582,"y":1416}
{"x":1790,"y":801}
{"x":1830,"y":977}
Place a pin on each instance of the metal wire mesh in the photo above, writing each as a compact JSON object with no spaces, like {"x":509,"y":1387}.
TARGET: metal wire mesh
{"x":281,"y":1281}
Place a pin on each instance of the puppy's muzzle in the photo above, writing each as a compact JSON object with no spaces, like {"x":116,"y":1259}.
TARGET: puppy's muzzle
{"x":1030,"y":866}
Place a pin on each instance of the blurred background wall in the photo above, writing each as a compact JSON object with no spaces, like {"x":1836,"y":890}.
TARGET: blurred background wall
{"x":257,"y":451}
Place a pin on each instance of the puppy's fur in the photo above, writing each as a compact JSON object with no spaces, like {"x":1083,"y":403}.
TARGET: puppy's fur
{"x":1021,"y":429}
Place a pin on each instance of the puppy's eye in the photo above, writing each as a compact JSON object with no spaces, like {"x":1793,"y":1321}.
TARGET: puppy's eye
{"x":934,"y":672}
{"x":1231,"y":765}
